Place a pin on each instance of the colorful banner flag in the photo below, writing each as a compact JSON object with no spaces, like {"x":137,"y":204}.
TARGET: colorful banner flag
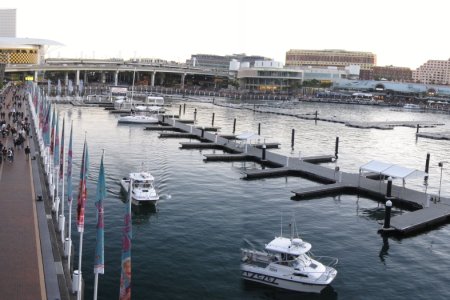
{"x":99,"y":264}
{"x":52,"y":136}
{"x":82,"y":192}
{"x":69,"y":168}
{"x":125,"y":275}
{"x":56,"y":144}
{"x":61,"y":162}
{"x":46,"y":127}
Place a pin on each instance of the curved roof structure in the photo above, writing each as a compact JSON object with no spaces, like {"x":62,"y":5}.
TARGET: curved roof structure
{"x":10,"y":41}
{"x":403,"y":87}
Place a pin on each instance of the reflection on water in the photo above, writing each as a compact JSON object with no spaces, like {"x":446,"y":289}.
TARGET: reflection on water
{"x":328,"y":293}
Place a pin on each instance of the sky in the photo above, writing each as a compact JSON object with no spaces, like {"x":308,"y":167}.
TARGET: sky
{"x":403,"y":33}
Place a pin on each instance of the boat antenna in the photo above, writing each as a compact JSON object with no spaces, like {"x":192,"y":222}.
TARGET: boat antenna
{"x":281,"y":225}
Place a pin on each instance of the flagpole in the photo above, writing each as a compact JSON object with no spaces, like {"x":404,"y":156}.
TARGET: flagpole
{"x":82,"y":198}
{"x":99,"y":248}
{"x":62,"y":217}
{"x":79,"y":266}
{"x":69,"y":199}
{"x":95,"y":286}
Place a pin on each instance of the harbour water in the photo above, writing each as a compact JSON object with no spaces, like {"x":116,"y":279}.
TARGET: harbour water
{"x":188,"y":248}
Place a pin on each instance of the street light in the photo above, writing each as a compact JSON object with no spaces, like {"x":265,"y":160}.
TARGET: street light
{"x":441,"y":165}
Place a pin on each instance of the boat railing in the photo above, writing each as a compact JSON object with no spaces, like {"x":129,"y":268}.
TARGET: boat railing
{"x":328,"y":261}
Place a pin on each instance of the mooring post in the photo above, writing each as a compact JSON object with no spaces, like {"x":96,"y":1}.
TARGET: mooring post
{"x":215,"y":141}
{"x":195,"y":115}
{"x":427,"y":166}
{"x":179,"y":112}
{"x":389,"y":188}
{"x":212,"y":122}
{"x":234,"y":125}
{"x":336,"y":148}
{"x":263,"y":152}
{"x":292,"y":138}
{"x":184,"y":108}
{"x":164,"y":117}
{"x":300,"y":155}
{"x":417,"y":130}
{"x":387,"y":215}
{"x":336,"y":172}
{"x":259,"y":128}
{"x":316,"y":116}
{"x":287,"y":161}
{"x":203,"y":132}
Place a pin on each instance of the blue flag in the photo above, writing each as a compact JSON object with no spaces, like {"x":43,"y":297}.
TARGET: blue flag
{"x":99,"y":265}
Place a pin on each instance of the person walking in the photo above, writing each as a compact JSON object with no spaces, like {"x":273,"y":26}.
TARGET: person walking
{"x":27,"y":152}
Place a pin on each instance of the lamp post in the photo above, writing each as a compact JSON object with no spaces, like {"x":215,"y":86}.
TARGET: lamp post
{"x":441,"y":165}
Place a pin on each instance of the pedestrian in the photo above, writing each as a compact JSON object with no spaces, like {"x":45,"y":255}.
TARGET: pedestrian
{"x":10,"y":154}
{"x":27,"y":152}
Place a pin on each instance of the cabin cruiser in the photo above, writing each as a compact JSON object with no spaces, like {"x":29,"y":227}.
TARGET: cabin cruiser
{"x":137,"y":119}
{"x":143,"y":190}
{"x":411,"y":106}
{"x":287,"y":263}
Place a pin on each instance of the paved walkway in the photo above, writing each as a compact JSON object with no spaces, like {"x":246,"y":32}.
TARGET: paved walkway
{"x":21,"y":273}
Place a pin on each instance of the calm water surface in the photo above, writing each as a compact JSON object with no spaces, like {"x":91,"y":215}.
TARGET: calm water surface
{"x":189,"y":247}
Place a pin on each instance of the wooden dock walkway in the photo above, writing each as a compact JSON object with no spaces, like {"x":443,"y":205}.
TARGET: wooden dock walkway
{"x":435,"y":135}
{"x":335,"y":181}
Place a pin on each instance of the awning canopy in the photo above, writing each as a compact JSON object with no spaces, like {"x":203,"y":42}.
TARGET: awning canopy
{"x":392,"y":170}
{"x":247,"y":136}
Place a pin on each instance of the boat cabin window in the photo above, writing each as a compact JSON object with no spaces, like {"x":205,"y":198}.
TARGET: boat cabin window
{"x":302,"y":275}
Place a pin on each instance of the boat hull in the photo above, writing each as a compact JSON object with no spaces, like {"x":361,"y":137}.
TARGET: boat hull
{"x":137,"y":122}
{"x":260,"y":275}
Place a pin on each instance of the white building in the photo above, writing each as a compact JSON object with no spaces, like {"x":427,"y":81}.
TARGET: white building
{"x":268,"y":76}
{"x":433,"y":72}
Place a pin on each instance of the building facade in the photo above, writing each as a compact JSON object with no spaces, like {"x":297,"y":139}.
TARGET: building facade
{"x":433,"y":72}
{"x":219,"y":62}
{"x":269,"y":76}
{"x":392,"y":73}
{"x":8,"y":23}
{"x":330,"y":58}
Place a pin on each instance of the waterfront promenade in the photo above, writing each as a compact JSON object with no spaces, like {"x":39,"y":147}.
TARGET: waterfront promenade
{"x":31,"y":262}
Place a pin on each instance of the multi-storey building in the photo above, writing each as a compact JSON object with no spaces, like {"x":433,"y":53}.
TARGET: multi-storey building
{"x":268,"y":76}
{"x":220,"y":62}
{"x":392,"y":73}
{"x":330,"y":58}
{"x":433,"y":72}
{"x":8,"y":23}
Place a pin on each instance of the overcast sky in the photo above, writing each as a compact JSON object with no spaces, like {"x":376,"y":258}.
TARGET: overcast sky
{"x":400,"y":32}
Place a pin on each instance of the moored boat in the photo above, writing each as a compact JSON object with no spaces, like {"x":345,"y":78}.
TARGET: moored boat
{"x":143,"y":190}
{"x":287,"y":263}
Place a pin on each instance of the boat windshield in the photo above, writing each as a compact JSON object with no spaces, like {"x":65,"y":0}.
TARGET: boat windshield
{"x":145,"y":185}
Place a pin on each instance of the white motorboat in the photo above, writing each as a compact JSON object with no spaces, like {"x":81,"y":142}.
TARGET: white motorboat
{"x":143,"y":190}
{"x":287,"y":263}
{"x":133,"y":118}
{"x":412,"y":106}
{"x":137,"y":119}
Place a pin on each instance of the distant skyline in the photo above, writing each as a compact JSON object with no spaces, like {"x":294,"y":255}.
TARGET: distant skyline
{"x":401,"y":33}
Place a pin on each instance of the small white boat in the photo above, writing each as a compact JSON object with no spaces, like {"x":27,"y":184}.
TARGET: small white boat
{"x":143,"y":190}
{"x":287,"y":263}
{"x":137,"y":119}
{"x":411,"y":106}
